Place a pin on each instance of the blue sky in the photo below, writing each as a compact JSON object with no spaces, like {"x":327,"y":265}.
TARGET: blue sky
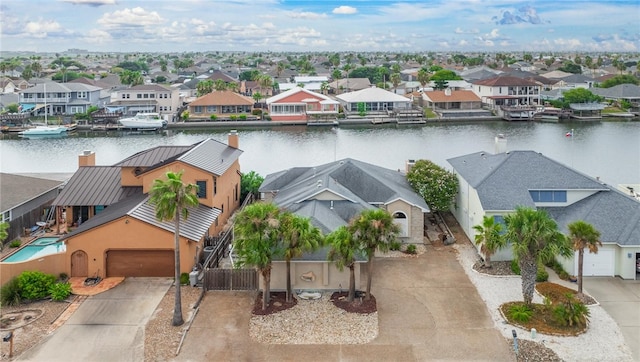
{"x":319,"y":25}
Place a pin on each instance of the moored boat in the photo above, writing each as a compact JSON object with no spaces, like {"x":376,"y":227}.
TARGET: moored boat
{"x":43,"y":131}
{"x":143,"y":121}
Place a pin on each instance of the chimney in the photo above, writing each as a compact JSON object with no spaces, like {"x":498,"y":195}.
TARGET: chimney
{"x":408,"y":165}
{"x":87,"y":158}
{"x":233,"y":139}
{"x":501,"y":143}
{"x":447,"y":92}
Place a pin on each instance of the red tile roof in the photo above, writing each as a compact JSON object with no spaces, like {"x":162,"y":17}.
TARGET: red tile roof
{"x":222,"y":98}
{"x":455,"y":96}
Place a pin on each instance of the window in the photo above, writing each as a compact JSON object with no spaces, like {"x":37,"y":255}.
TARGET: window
{"x":146,"y":96}
{"x":139,"y":96}
{"x":197,"y":109}
{"x":215,"y":186}
{"x":202,"y":189}
{"x":548,"y":196}
{"x":152,"y":95}
{"x":6,"y":216}
{"x":82,"y":94}
{"x":236,"y":193}
{"x":211,"y":109}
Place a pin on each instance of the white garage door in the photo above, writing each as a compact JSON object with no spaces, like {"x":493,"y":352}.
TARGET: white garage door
{"x":601,"y":264}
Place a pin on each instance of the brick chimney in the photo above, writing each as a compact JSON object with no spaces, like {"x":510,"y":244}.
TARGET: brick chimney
{"x":233,"y":139}
{"x":87,"y":158}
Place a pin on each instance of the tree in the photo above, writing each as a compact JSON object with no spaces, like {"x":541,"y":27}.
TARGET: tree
{"x":583,"y":235}
{"x":324,"y":88}
{"x":256,"y":241}
{"x":619,"y":79}
{"x":131,"y":78}
{"x":527,"y":57}
{"x":373,"y":230}
{"x":445,"y":74}
{"x":535,"y":239}
{"x":579,"y":95}
{"x":13,"y":108}
{"x":549,"y":61}
{"x":4,"y":226}
{"x":336,"y":74}
{"x":220,"y":85}
{"x":298,"y":236}
{"x":172,"y":200}
{"x":204,"y":87}
{"x":436,"y":185}
{"x":257,"y":96}
{"x":489,"y":237}
{"x":343,"y":251}
{"x":280,"y":68}
{"x":423,"y":77}
{"x":571,"y":67}
{"x":395,"y":80}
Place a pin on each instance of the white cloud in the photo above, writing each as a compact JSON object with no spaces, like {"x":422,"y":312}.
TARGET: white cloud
{"x":42,"y":28}
{"x":96,"y":36}
{"x":305,"y":15}
{"x":345,"y":10}
{"x":135,"y":17}
{"x":468,"y":31}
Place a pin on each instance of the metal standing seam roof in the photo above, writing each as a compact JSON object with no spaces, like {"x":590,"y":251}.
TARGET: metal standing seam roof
{"x":212,"y":156}
{"x":94,"y":185}
{"x":153,"y":156}
{"x":139,"y":207}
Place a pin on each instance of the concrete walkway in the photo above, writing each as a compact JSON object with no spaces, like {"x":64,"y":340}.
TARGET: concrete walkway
{"x":427,"y":309}
{"x":105,"y":327}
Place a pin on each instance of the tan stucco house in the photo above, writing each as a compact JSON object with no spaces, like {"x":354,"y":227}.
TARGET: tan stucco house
{"x":114,"y":228}
{"x":222,"y":104}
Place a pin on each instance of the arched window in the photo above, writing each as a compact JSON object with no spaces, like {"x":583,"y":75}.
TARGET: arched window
{"x":400,"y":218}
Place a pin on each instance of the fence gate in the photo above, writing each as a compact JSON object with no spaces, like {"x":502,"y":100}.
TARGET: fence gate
{"x":230,"y":279}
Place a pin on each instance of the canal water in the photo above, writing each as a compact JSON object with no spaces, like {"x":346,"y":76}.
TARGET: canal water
{"x":609,"y":150}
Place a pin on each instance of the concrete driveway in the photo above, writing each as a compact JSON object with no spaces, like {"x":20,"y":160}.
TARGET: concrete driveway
{"x":621,"y":299}
{"x":106,"y":327}
{"x":427,"y":310}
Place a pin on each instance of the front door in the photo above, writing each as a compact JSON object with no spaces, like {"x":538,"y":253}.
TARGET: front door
{"x":79,"y":264}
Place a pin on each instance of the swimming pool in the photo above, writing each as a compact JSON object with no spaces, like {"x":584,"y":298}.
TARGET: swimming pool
{"x":36,"y":249}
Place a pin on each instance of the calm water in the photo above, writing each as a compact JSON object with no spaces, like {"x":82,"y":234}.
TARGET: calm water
{"x":610,"y":150}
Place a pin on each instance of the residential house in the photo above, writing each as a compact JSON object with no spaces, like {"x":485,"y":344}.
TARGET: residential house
{"x":60,"y":98}
{"x":115,"y":231}
{"x":249,"y":87}
{"x":574,"y":81}
{"x":8,"y":85}
{"x":301,"y":105}
{"x":373,"y":99}
{"x":330,"y":195}
{"x":347,"y":85}
{"x":451,"y":100}
{"x":25,"y":201}
{"x":505,"y":90}
{"x":496,"y":184}
{"x":153,"y":98}
{"x":222,"y":104}
{"x":620,"y":92}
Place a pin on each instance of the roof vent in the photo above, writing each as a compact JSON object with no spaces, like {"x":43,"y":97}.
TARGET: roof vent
{"x":319,"y":183}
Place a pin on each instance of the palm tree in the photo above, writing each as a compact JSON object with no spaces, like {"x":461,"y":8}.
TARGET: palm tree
{"x":489,"y":237}
{"x":343,"y":252}
{"x":423,"y":77}
{"x":373,"y":229}
{"x":583,"y":235}
{"x":395,"y":79}
{"x":298,"y":236}
{"x":280,"y":68}
{"x":4,"y":226}
{"x":256,"y":241}
{"x":172,"y":199}
{"x":204,"y":87}
{"x":535,"y":239}
{"x":324,"y":88}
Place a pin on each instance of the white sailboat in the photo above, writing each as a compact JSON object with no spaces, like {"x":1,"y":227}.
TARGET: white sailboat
{"x":46,"y":130}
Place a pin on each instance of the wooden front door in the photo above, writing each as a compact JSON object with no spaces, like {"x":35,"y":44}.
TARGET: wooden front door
{"x":79,"y":264}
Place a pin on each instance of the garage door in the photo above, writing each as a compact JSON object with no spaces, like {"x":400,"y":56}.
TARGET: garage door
{"x":601,"y":264}
{"x":140,"y":263}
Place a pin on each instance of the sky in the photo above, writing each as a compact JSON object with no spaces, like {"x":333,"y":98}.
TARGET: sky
{"x":320,"y":25}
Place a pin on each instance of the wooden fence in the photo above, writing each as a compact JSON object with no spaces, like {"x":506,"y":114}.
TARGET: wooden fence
{"x":230,"y":279}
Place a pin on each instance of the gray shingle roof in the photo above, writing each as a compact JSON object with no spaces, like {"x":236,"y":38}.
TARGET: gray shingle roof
{"x":620,"y":91}
{"x":16,"y":189}
{"x":357,"y":186}
{"x":503,"y":180}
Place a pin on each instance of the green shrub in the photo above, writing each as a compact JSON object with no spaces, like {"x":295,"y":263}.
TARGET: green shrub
{"x":60,"y":291}
{"x":243,"y":117}
{"x":542,"y":275}
{"x":395,"y":245}
{"x":571,"y":312}
{"x":63,"y":276}
{"x":411,"y":249}
{"x":520,"y":313}
{"x":10,"y":293}
{"x":213,"y":117}
{"x":15,"y":243}
{"x":35,"y":285}
{"x":233,"y":117}
{"x":184,"y":278}
{"x":256,"y":112}
{"x":515,"y":267}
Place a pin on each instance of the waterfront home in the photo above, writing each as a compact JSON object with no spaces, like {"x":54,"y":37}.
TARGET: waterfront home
{"x":148,"y":98}
{"x":373,"y":100}
{"x":620,"y":92}
{"x":506,"y":90}
{"x":441,"y":100}
{"x":330,"y":195}
{"x":114,"y":230}
{"x":495,"y":184}
{"x":221,"y":104}
{"x":301,"y":105}
{"x":60,"y":98}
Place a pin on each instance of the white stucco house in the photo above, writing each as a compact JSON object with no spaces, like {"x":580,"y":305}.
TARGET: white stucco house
{"x":495,"y":184}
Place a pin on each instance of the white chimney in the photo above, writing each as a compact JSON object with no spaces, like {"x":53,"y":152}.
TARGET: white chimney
{"x":501,"y":143}
{"x":447,"y":92}
{"x":408,"y":165}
